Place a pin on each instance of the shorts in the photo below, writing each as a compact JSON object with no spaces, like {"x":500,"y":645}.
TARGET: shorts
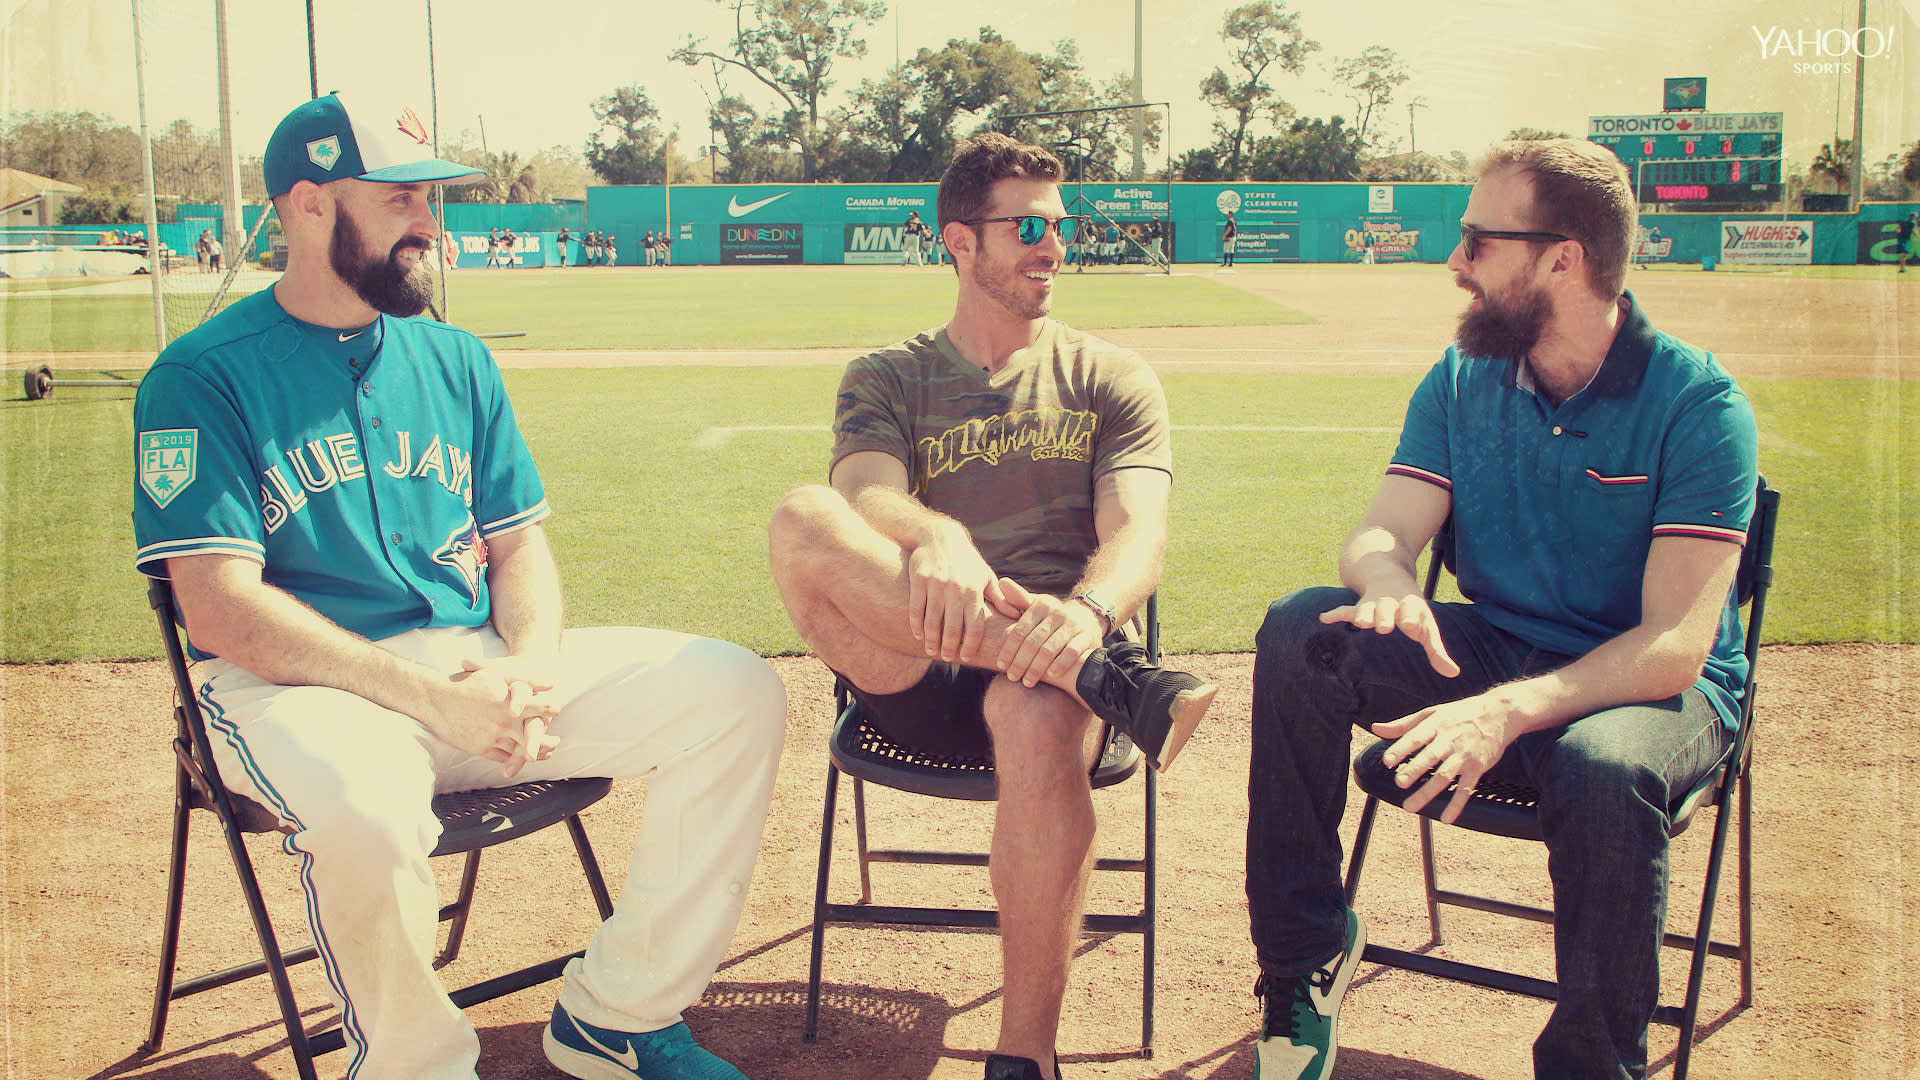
{"x":942,"y":715}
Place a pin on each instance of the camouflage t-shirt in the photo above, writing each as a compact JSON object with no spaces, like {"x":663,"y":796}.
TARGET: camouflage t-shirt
{"x":1013,"y":456}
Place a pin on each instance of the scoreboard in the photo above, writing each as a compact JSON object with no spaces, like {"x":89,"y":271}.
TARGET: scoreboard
{"x":1697,"y":157}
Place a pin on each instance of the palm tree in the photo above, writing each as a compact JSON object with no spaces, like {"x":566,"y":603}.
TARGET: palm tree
{"x":1835,"y":161}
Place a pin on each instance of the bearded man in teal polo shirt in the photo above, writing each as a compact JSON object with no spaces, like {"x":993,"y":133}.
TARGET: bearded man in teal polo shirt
{"x":1600,"y":475}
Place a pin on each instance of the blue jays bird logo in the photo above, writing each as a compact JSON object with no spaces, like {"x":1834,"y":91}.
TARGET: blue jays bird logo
{"x":466,"y":552}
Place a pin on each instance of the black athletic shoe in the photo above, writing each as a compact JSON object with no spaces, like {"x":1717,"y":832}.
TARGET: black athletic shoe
{"x":1156,"y":707}
{"x":1007,"y":1067}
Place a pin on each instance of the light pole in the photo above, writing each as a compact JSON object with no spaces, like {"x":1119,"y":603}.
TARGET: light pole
{"x":1139,"y":117}
{"x":1859,"y":119}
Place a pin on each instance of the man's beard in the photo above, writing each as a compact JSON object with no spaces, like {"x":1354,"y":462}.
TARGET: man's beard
{"x":1495,"y":331}
{"x":1000,"y":281}
{"x":385,"y":284}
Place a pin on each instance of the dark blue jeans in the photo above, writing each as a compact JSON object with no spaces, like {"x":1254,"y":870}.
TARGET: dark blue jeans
{"x":1605,"y":784}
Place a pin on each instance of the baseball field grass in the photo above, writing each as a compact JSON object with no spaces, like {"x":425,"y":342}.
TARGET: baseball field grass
{"x":660,"y":516}
{"x":699,"y":308}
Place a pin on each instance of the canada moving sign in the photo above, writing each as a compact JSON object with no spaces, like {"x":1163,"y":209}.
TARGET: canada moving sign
{"x":1788,"y":243}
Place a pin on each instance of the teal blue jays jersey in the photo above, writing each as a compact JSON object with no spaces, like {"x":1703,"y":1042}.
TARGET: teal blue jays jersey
{"x":365,"y":470}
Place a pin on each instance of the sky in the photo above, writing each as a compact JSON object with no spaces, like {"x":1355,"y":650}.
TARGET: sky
{"x":1479,"y":68}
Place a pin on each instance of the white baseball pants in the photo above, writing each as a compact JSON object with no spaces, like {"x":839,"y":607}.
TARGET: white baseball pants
{"x":706,"y":718}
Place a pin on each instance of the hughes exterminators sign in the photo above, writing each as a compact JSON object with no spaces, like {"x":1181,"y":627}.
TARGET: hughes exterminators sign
{"x":1780,"y":243}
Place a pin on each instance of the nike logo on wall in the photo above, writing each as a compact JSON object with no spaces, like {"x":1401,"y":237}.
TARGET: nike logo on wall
{"x":628,"y":1057}
{"x":350,"y":337}
{"x":735,"y":209}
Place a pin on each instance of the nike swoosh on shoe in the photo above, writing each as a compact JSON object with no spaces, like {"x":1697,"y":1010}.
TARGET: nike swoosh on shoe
{"x":629,"y":1057}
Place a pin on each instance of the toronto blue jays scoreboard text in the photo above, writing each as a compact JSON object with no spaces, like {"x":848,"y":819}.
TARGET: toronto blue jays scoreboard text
{"x":1697,"y":157}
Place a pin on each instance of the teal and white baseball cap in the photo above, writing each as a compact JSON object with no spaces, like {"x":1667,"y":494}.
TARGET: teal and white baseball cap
{"x":324,"y":141}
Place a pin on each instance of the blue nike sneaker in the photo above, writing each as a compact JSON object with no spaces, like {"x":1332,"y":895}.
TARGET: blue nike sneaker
{"x":580,"y":1049}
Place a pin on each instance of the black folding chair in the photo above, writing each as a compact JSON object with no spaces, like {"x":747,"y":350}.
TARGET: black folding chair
{"x":469,"y":820}
{"x":1510,"y":810}
{"x":868,"y":756}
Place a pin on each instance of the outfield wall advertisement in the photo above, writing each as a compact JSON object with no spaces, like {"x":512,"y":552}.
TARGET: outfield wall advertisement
{"x":1388,"y":239}
{"x":856,"y":224}
{"x":871,"y":245}
{"x":761,"y":245}
{"x":861,"y":224}
{"x":471,"y":250}
{"x":1319,"y":222}
{"x":1767,"y":243}
{"x":1267,"y":241}
{"x":1878,"y":242}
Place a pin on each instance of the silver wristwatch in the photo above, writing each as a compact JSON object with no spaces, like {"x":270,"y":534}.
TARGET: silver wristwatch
{"x":1100,"y":607}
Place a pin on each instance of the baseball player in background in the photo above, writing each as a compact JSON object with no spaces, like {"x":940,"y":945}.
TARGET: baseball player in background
{"x":352,"y":525}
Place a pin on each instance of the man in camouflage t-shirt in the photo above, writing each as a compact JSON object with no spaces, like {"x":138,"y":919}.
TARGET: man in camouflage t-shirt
{"x":998,"y":507}
{"x":1012,"y":455}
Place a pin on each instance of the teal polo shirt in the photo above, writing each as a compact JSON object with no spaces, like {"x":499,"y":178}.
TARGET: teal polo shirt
{"x":1555,"y":508}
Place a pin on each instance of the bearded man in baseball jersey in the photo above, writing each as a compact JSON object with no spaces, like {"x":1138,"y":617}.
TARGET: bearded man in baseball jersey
{"x":996,"y":512}
{"x":357,"y":550}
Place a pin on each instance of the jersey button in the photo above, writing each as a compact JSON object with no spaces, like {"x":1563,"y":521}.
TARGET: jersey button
{"x":375,"y":422}
{"x":367,"y":389}
{"x":1557,"y":429}
{"x":395,"y":537}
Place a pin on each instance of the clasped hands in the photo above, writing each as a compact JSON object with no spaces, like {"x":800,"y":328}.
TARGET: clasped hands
{"x":495,"y":711}
{"x":1456,"y":740}
{"x":951,"y":594}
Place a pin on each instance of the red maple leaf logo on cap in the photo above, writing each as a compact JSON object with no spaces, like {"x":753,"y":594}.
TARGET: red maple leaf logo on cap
{"x":410,"y":126}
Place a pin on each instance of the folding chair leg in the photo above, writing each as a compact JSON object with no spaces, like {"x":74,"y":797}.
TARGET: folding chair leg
{"x":1433,"y":888}
{"x":590,"y":866}
{"x":457,"y":911}
{"x":860,"y":838}
{"x":1358,"y":860}
{"x":1147,"y":933}
{"x":270,"y":950}
{"x":1745,"y":780}
{"x":170,"y":932}
{"x":1703,"y":942}
{"x":812,"y":1031}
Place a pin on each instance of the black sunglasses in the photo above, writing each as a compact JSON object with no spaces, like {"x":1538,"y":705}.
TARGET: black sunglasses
{"x":1033,"y":227}
{"x":1470,"y":237}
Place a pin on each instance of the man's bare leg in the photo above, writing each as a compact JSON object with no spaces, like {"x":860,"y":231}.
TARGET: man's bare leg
{"x":1043,"y":832}
{"x":846,"y":589}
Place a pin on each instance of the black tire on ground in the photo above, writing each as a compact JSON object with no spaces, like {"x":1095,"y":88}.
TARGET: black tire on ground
{"x":39,"y":382}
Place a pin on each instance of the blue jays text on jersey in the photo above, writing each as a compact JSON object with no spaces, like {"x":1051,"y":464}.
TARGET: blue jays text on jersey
{"x":365,"y":471}
{"x":320,"y":464}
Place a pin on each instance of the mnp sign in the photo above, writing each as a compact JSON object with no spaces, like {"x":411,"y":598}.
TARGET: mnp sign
{"x":872,"y":245}
{"x":759,"y":244}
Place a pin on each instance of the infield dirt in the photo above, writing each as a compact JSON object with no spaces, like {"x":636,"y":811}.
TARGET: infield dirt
{"x":1836,"y":930}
